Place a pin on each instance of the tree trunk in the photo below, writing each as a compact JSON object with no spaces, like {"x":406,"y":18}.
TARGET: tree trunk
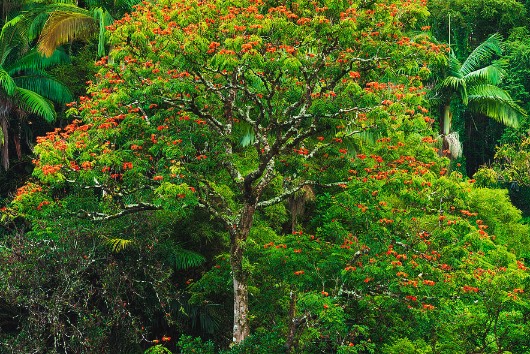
{"x":445,"y":128}
{"x":446,"y":123}
{"x":4,"y":142}
{"x":289,"y":343}
{"x":238,"y":238}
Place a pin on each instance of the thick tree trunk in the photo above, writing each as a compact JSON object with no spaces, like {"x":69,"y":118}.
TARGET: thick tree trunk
{"x":238,"y":238}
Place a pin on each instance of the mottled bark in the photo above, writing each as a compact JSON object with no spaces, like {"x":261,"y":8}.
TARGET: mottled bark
{"x":239,"y":236}
{"x":289,"y":343}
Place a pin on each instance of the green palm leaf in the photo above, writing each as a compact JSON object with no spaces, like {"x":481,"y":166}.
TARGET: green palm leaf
{"x":454,"y":66}
{"x":495,"y":103}
{"x":34,"y":60}
{"x":44,"y":85}
{"x":39,"y":19}
{"x":491,"y":74}
{"x":104,"y":19}
{"x":7,"y":83}
{"x":484,"y":52}
{"x":454,"y":84}
{"x":34,"y":103}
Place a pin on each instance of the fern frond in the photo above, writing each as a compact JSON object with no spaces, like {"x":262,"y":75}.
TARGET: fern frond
{"x":185,"y":259}
{"x":180,"y":258}
{"x":118,"y":244}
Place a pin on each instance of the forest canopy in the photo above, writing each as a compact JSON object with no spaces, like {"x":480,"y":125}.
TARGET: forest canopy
{"x":250,"y":176}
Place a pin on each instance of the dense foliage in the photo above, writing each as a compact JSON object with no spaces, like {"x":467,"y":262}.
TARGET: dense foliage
{"x":248,"y":177}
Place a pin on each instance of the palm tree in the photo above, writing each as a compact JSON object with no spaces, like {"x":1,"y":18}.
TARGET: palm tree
{"x":66,"y":22}
{"x":475,"y":84}
{"x":25,"y":88}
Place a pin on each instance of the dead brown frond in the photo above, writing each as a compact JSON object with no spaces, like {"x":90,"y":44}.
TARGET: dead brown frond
{"x":63,"y":27}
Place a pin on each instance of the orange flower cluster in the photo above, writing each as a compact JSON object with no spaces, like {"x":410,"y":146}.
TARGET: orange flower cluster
{"x":469,"y":289}
{"x":50,"y":169}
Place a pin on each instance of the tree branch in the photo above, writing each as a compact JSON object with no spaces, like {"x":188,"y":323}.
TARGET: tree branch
{"x":128,"y":209}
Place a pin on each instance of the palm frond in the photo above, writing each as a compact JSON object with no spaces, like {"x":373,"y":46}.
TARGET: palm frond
{"x":63,"y":27}
{"x":104,"y":19}
{"x":34,"y":103}
{"x":46,"y":86}
{"x":491,"y":74}
{"x":12,"y":27}
{"x":39,"y":19}
{"x":454,"y":84}
{"x":118,"y":244}
{"x":454,"y":66}
{"x":11,"y":37}
{"x":35,"y":60}
{"x":7,"y":84}
{"x":495,"y":103}
{"x":484,"y":52}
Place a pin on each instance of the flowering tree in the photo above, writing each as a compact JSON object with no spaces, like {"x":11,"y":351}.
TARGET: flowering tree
{"x":233,"y":108}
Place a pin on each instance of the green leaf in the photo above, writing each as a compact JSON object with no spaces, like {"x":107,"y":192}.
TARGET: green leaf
{"x":35,"y":103}
{"x":6,"y":82}
{"x":118,"y":244}
{"x":180,"y":258}
{"x":484,"y":52}
{"x":45,"y":86}
{"x":34,"y":60}
{"x":104,"y":19}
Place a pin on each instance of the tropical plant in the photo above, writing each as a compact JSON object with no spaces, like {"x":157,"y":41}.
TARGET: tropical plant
{"x":475,"y":84}
{"x":25,"y":87}
{"x":167,"y":122}
{"x":66,"y":22}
